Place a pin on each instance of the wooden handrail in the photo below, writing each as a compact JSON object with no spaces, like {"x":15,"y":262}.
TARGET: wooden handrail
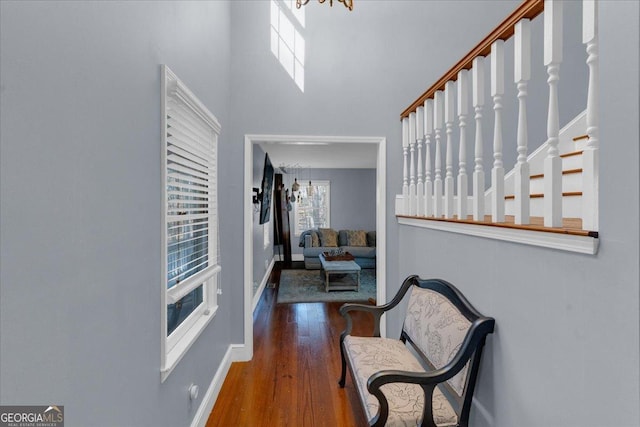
{"x":528,"y":9}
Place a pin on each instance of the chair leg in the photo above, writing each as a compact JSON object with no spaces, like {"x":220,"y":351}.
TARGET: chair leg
{"x":344,"y":367}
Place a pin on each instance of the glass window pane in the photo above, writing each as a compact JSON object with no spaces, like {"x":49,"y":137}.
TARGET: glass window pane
{"x":312,"y":210}
{"x":176,"y":313}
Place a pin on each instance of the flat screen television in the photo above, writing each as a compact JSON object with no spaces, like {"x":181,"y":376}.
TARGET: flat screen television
{"x":266,"y":190}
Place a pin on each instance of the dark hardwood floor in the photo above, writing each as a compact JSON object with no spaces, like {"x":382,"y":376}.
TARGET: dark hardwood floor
{"x":292,"y":379}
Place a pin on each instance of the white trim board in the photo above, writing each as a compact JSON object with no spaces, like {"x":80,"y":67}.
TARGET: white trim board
{"x":263,"y":284}
{"x":564,"y":242}
{"x":249,"y":142}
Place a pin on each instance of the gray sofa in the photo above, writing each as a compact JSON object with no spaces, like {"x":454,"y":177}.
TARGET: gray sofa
{"x":365,"y":256}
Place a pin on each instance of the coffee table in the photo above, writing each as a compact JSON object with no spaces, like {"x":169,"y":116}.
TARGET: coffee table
{"x":339,"y":267}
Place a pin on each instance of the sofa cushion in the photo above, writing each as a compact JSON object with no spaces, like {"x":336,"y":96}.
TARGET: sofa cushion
{"x":357,"y":237}
{"x":328,"y":237}
{"x":361,"y":251}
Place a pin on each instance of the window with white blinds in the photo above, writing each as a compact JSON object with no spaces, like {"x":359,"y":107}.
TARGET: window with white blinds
{"x":190,"y":226}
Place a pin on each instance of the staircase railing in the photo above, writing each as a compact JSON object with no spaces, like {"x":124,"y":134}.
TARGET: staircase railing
{"x":429,"y":191}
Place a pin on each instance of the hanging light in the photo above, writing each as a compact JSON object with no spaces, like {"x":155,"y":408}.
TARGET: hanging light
{"x":347,"y":3}
{"x":295,"y":186}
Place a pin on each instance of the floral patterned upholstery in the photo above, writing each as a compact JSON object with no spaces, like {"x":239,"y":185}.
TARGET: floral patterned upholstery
{"x":438,"y":328}
{"x":369,"y":355}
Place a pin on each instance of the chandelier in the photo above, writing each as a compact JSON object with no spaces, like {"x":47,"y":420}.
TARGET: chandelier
{"x":347,"y":3}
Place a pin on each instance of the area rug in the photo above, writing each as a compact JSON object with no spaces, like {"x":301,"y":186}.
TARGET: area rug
{"x":308,"y":286}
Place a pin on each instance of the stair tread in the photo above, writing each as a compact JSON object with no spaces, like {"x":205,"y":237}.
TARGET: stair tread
{"x":541,"y":195}
{"x":566,"y":172}
{"x":580,"y":137}
{"x":571,"y":153}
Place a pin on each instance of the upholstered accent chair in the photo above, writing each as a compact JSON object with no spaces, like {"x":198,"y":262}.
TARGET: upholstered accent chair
{"x":427,"y":377}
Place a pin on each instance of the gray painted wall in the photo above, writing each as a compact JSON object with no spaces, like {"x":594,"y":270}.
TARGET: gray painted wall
{"x":81,"y":198}
{"x":82,"y":282}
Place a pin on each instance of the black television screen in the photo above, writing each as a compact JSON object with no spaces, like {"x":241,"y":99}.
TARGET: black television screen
{"x":267,"y":190}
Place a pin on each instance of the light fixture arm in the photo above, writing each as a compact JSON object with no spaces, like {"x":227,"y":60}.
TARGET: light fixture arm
{"x":347,"y":3}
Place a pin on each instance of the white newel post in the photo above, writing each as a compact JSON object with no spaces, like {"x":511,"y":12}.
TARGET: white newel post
{"x":405,"y":169}
{"x":590,"y":160}
{"x":448,"y":119}
{"x":428,"y":185}
{"x":463,"y":109}
{"x":412,"y":164}
{"x":477,"y":75}
{"x":522,"y":74}
{"x":553,"y":162}
{"x":437,"y":190}
{"x":497,"y":90}
{"x":420,"y":137}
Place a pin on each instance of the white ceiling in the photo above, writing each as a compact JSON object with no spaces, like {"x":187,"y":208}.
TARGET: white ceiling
{"x":321,"y":155}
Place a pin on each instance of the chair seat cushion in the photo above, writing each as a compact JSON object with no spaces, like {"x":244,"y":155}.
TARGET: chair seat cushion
{"x":369,"y":355}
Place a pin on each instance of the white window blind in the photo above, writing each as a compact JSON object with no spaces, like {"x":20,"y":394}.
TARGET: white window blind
{"x":191,"y":259}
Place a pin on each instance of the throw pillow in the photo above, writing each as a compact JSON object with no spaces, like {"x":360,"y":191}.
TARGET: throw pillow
{"x":371,"y":239}
{"x":328,"y":237}
{"x":343,"y":238}
{"x":357,"y":237}
{"x":315,"y":240}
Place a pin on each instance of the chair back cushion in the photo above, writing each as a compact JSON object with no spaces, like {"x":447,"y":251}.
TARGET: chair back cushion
{"x":438,"y":329}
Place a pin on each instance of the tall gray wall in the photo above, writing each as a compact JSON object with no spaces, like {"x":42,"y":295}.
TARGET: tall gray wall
{"x":80,"y":194}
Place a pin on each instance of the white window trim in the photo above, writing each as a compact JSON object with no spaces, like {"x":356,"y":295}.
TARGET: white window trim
{"x":175,"y":346}
{"x":296,"y":232}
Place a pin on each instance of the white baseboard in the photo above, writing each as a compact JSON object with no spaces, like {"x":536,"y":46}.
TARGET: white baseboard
{"x":209,"y":399}
{"x":235,"y":353}
{"x":263,"y":284}
{"x":294,"y":257}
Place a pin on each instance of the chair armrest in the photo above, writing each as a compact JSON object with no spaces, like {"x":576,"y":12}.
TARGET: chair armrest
{"x":427,"y":380}
{"x":377,"y":311}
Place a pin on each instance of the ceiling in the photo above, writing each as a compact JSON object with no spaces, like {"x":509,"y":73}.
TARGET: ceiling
{"x":322,"y":155}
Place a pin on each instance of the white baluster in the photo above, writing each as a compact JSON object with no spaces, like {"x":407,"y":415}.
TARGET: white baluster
{"x":405,"y":169}
{"x":419,"y":138}
{"x":497,"y":90}
{"x":448,"y":119}
{"x":437,"y":184}
{"x":463,"y":109}
{"x":590,"y":155}
{"x":522,"y":74}
{"x":553,"y":162}
{"x":428,"y":185}
{"x":477,"y":74}
{"x":412,"y":164}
